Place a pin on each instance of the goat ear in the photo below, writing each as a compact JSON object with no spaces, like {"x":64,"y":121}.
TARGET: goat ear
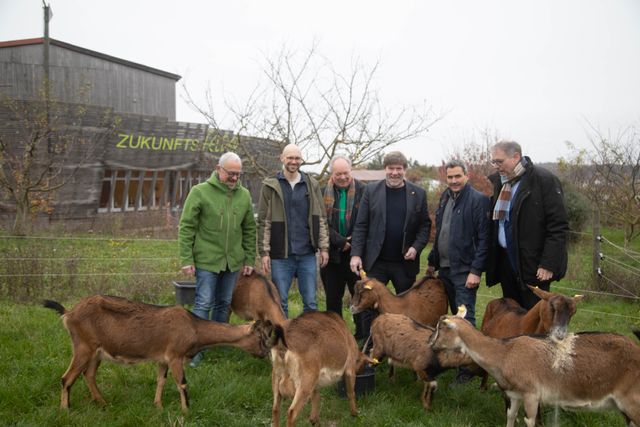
{"x":462,"y":311}
{"x":540,"y":293}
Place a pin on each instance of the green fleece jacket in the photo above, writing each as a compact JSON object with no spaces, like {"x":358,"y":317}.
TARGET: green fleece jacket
{"x":217,"y":227}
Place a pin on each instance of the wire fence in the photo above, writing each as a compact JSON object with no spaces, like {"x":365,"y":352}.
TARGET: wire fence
{"x":154,"y":267}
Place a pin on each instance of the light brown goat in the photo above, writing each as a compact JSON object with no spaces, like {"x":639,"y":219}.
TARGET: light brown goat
{"x":313,"y":350}
{"x":587,"y":370}
{"x":124,"y":331}
{"x":425,"y":302}
{"x":405,"y":343}
{"x":505,"y":318}
{"x":256,"y":298}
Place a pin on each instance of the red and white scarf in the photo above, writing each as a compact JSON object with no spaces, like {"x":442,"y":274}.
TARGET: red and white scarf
{"x":504,"y":198}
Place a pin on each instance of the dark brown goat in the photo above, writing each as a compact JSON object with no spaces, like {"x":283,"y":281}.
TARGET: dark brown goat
{"x":124,"y":331}
{"x":256,"y":298}
{"x":424,"y":302}
{"x":504,"y":317}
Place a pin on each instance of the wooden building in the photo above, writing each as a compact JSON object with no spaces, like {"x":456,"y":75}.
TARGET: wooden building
{"x":147,"y":162}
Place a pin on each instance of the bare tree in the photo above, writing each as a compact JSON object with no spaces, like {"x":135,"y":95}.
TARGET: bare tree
{"x":306,"y":101}
{"x":42,"y":146}
{"x":608,"y":174}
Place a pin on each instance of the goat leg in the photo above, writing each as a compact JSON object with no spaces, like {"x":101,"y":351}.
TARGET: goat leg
{"x":161,"y":380}
{"x":177,"y":371}
{"x":314,"y":417}
{"x":530,"y":409}
{"x":90,"y":379}
{"x":512,"y":411}
{"x":299,"y":400}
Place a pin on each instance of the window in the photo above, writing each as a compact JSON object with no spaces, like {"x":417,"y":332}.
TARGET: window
{"x":135,"y":190}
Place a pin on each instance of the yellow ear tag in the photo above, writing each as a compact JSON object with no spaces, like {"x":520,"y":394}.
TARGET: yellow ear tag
{"x":375,"y":361}
{"x":368,"y":287}
{"x":363,"y":275}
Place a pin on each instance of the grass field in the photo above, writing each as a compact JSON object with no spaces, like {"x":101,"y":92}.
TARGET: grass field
{"x":230,"y":388}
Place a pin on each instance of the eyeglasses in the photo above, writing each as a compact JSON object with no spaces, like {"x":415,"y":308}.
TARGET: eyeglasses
{"x":232,"y":174}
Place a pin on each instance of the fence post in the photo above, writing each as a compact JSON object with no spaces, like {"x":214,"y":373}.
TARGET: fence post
{"x":596,"y":247}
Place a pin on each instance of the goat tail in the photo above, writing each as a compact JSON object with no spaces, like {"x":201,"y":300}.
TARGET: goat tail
{"x":54,"y":305}
{"x":277,"y":337}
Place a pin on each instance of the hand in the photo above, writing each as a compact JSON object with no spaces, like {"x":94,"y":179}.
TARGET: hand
{"x":324,"y":258}
{"x":266,"y":264}
{"x":543,"y":275}
{"x":356,"y":264}
{"x":188,"y":270}
{"x":431,"y":271}
{"x":411,"y":254}
{"x":473,"y":280}
{"x":247,"y":270}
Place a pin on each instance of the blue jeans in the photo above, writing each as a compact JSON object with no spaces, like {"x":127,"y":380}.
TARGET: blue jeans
{"x":304,"y":267}
{"x":214,"y":292}
{"x":458,"y":294}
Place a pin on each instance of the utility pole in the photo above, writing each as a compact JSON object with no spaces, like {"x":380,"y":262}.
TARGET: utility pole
{"x":45,"y":64}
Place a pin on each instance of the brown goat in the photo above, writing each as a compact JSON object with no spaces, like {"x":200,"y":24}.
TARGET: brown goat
{"x":256,"y":298}
{"x":586,"y":370}
{"x":505,"y":318}
{"x":124,"y":331}
{"x":405,"y":343}
{"x":311,"y":351}
{"x":424,"y":302}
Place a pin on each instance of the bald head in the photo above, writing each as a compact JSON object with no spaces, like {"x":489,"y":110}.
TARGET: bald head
{"x":291,"y":159}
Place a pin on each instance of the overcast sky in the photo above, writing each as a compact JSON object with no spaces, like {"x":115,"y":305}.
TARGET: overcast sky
{"x":534,"y":70}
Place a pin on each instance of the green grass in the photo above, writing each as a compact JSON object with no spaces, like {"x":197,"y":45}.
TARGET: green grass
{"x":230,"y":388}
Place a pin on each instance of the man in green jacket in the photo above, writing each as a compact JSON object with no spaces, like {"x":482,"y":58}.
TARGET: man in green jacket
{"x":292,"y":227}
{"x":217,"y":238}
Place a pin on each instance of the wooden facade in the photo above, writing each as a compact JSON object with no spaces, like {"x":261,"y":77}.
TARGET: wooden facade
{"x":147,"y":162}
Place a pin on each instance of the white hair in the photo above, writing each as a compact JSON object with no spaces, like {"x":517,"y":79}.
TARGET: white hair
{"x":229,"y":155}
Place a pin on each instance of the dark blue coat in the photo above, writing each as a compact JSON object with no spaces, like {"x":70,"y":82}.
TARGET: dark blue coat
{"x":468,"y":234}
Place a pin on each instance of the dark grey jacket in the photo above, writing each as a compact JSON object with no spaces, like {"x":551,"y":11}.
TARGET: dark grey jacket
{"x":368,"y":233}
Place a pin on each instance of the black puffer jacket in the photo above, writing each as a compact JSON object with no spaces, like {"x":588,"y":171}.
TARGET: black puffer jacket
{"x":540,"y":226}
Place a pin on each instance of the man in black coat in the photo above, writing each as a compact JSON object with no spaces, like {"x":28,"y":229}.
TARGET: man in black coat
{"x":342,"y":196}
{"x":529,"y":230}
{"x":392,"y":228}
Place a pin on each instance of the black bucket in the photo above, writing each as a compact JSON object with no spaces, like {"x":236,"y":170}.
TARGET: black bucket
{"x":365,"y":383}
{"x":185,"y":292}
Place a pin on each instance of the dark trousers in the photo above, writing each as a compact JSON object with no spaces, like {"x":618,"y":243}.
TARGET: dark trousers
{"x":335,"y":277}
{"x":394,"y":271}
{"x":458,"y":294}
{"x":512,"y":287}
